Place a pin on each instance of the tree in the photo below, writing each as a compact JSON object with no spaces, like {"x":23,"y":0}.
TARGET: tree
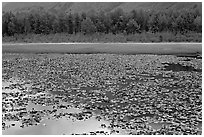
{"x":153,"y":23}
{"x":107,"y":23}
{"x":87,"y":26}
{"x":100,"y":26}
{"x":55,"y":26}
{"x":133,"y":15}
{"x":132,"y":27}
{"x":142,"y":20}
{"x":27,"y":27}
{"x":8,"y":23}
{"x":44,"y":24}
{"x":70,"y":24}
{"x":20,"y":22}
{"x":36,"y":23}
{"x":49,"y":20}
{"x":179,"y":24}
{"x":31,"y":20}
{"x":198,"y":24}
{"x":117,"y":20}
{"x":99,"y":22}
{"x":92,"y":15}
{"x":62,"y":23}
{"x":83,"y":15}
{"x":77,"y":23}
{"x":162,"y":22}
{"x":11,"y":28}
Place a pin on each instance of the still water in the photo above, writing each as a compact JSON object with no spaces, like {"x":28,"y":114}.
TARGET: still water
{"x":110,"y":107}
{"x":49,"y":124}
{"x":54,"y":126}
{"x":57,"y":127}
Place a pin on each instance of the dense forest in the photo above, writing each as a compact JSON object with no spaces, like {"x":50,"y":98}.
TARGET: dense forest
{"x":117,"y":22}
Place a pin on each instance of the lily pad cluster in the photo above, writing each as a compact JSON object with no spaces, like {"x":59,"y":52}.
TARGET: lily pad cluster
{"x":135,"y":94}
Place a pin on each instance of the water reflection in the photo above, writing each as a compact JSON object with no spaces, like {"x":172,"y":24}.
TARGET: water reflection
{"x":58,"y":127}
{"x":132,"y":98}
{"x":67,"y":119}
{"x":157,"y":126}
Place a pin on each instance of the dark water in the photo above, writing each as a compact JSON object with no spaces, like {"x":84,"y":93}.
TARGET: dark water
{"x":178,"y":67}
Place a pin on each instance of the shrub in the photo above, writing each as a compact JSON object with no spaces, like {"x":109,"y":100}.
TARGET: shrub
{"x":87,"y":26}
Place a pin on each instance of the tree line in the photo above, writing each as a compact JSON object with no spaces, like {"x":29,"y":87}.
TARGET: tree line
{"x":115,"y":22}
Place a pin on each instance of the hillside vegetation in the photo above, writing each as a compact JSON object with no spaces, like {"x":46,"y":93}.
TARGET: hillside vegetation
{"x":105,"y":38}
{"x":79,"y":7}
{"x":116,"y":26}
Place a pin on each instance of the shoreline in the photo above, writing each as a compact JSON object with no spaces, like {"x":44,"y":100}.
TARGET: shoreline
{"x":113,"y":48}
{"x":10,"y":43}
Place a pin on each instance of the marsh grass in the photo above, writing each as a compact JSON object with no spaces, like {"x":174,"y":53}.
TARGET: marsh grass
{"x":123,"y":38}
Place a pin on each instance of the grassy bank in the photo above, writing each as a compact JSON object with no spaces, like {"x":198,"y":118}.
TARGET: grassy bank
{"x":142,"y":37}
{"x":114,"y":48}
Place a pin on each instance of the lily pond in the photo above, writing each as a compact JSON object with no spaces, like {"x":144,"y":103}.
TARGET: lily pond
{"x":101,"y":94}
